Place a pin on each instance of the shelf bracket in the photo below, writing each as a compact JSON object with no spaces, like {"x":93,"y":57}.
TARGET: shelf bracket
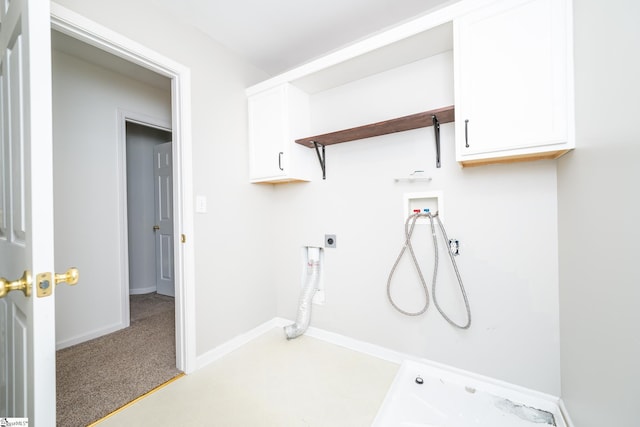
{"x":436,"y":130}
{"x":321,"y":159}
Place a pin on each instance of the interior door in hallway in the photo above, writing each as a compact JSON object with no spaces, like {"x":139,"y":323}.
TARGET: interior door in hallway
{"x":27,"y":322}
{"x":162,"y":173}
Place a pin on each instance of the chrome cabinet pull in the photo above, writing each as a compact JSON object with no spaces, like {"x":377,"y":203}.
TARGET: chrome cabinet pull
{"x":280,"y":160}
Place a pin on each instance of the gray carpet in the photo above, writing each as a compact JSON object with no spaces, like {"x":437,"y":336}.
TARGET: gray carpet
{"x":96,"y":377}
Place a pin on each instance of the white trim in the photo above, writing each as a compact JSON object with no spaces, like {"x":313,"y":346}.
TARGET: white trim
{"x":96,"y":333}
{"x":565,"y":414}
{"x":184,"y":259}
{"x":352,"y":344}
{"x":142,"y":291}
{"x":144,"y":120}
{"x":81,"y":28}
{"x":237,"y":342}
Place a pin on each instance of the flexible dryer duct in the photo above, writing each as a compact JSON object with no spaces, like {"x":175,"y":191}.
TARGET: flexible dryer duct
{"x":306,"y":296}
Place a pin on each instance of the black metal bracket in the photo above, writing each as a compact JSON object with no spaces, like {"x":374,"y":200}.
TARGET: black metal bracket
{"x":321,"y":159}
{"x":436,"y":130}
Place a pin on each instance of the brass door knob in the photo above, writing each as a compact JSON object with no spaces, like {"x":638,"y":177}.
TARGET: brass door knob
{"x":70,"y":277}
{"x":22,"y":284}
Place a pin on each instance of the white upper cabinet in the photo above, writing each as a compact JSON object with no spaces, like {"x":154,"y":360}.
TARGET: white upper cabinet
{"x":513,"y":82}
{"x":277,"y":116}
{"x":512,"y":86}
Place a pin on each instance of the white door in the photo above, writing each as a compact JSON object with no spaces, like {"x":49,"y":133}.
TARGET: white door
{"x":162,"y":173}
{"x":27,"y":323}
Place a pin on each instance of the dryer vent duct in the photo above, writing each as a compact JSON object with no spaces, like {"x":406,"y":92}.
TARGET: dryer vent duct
{"x":311,"y":283}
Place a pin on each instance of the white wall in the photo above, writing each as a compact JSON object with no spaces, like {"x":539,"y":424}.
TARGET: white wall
{"x":88,"y":226}
{"x":234,"y":279}
{"x":599,"y":232}
{"x":505,"y":216}
{"x":141,"y":141}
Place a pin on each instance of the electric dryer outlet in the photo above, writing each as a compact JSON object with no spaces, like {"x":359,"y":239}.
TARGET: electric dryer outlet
{"x":330,"y":240}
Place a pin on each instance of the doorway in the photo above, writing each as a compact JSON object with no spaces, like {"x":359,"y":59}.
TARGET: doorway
{"x":128,"y":51}
{"x":92,"y":101}
{"x":149,"y":209}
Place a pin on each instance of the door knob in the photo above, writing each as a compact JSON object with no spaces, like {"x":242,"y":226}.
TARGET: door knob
{"x":22,"y":284}
{"x":45,"y":281}
{"x":70,"y":277}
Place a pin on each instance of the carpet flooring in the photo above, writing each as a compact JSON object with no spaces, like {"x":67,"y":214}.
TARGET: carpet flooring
{"x":96,"y":377}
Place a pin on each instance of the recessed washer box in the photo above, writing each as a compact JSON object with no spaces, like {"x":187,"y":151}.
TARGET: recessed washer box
{"x":432,"y":200}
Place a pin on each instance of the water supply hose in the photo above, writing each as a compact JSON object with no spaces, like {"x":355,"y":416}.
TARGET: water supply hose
{"x":306,"y":296}
{"x":408,"y":231}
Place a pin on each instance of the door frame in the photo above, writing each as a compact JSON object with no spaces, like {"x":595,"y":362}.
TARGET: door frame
{"x":83,"y":29}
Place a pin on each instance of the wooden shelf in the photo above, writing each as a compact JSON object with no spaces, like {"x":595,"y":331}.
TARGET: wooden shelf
{"x":400,"y":124}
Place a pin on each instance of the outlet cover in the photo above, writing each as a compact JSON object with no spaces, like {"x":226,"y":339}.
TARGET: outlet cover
{"x":330,"y":241}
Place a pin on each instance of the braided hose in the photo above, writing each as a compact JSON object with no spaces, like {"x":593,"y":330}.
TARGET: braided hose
{"x":408,"y":231}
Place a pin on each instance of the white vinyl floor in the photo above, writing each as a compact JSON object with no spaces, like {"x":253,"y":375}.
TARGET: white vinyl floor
{"x":271,"y":382}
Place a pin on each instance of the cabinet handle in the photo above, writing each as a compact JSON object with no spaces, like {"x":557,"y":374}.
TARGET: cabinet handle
{"x":280,"y":160}
{"x":466,"y":133}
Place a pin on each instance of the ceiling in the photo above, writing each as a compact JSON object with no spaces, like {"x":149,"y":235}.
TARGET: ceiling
{"x":278,"y":35}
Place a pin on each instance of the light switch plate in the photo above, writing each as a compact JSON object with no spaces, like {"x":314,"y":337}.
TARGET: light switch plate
{"x":201,"y":204}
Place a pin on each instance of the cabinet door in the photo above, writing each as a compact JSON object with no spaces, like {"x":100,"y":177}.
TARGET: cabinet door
{"x":512,"y":79}
{"x":268,"y":134}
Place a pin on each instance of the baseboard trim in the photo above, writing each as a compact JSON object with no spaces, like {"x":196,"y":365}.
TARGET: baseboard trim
{"x":565,"y":414}
{"x":353,"y":344}
{"x":237,"y":342}
{"x":89,"y":336}
{"x":141,"y":291}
